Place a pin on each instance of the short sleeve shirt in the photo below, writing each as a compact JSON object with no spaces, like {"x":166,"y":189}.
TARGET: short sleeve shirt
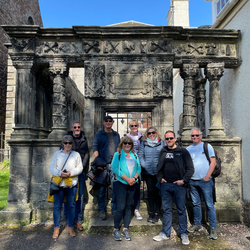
{"x":201,"y":164}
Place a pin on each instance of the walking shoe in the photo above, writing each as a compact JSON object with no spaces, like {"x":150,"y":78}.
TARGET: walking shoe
{"x":56,"y":232}
{"x":213,"y":233}
{"x":161,"y":236}
{"x":79,"y":226}
{"x":194,"y":228}
{"x":102,"y":215}
{"x":117,"y":235}
{"x":156,"y":218}
{"x":125,"y":234}
{"x":71,"y":232}
{"x":185,"y":239}
{"x":151,"y":216}
{"x":138,"y":215}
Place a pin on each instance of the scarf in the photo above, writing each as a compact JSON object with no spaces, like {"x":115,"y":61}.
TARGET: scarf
{"x":152,"y":143}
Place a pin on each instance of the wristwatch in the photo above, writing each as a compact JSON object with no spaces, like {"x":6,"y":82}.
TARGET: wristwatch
{"x":135,"y":178}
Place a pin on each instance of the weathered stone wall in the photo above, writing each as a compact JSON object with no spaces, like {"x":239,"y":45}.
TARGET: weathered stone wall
{"x":15,"y":12}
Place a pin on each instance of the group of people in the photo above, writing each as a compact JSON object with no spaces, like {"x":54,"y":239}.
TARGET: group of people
{"x":166,"y":167}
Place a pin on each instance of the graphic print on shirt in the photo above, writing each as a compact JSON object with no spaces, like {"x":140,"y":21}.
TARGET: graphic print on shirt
{"x":169,"y":156}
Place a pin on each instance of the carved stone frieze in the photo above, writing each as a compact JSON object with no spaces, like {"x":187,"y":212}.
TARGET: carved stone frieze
{"x":111,"y":47}
{"x":91,"y":46}
{"x":128,"y":46}
{"x":161,"y":46}
{"x":211,"y":49}
{"x":23,"y":45}
{"x":162,"y":80}
{"x":195,"y":49}
{"x":94,"y":80}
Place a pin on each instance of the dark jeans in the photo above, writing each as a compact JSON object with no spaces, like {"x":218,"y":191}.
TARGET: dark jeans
{"x":70,"y":194}
{"x":124,"y":199}
{"x":137,"y":195}
{"x":102,"y":198}
{"x":154,"y":199}
{"x":168,"y":191}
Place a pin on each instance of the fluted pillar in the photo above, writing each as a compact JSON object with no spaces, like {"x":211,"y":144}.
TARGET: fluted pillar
{"x":59,"y":114}
{"x":188,"y":73}
{"x":214,"y":72}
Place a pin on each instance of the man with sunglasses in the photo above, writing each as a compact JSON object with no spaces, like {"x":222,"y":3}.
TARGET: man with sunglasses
{"x":201,"y":182}
{"x":80,"y":146}
{"x":105,"y":145}
{"x":174,"y":169}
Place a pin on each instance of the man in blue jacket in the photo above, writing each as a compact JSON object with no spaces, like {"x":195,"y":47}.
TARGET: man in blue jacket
{"x":174,"y":170}
{"x":105,"y":145}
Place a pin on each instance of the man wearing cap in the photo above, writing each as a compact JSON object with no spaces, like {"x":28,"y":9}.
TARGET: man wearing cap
{"x":105,"y":145}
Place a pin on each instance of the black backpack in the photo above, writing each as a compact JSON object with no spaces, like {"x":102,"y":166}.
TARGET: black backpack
{"x":217,"y":169}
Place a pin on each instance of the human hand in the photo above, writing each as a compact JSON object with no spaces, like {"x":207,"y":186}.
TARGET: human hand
{"x":163,"y":180}
{"x":131,"y":181}
{"x":179,"y":182}
{"x":206,"y":178}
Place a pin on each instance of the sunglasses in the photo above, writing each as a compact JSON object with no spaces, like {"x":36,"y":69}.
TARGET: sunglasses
{"x":77,"y":127}
{"x":67,"y":142}
{"x":153,"y":133}
{"x":169,"y":138}
{"x":133,"y":126}
{"x":108,"y":121}
{"x":129,"y":143}
{"x":195,"y":135}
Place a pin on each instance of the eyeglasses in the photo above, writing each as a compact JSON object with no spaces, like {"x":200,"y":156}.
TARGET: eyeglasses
{"x":77,"y":127}
{"x":67,"y":142}
{"x":108,"y":121}
{"x":195,"y":135}
{"x":169,"y":138}
{"x":133,"y":126}
{"x":153,"y":133}
{"x":129,"y":143}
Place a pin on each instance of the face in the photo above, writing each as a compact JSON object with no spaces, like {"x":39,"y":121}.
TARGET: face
{"x":170,"y":139}
{"x":76,"y":128}
{"x":126,"y":146}
{"x":108,"y":123}
{"x":133,"y":127}
{"x":196,"y":137}
{"x":152,"y":134}
{"x":67,"y":145}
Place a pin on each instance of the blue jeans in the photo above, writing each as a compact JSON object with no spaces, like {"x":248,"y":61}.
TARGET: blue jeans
{"x":101,"y":198}
{"x":168,"y":191}
{"x":137,"y":195}
{"x":206,"y":188}
{"x":124,"y":195}
{"x":70,"y":194}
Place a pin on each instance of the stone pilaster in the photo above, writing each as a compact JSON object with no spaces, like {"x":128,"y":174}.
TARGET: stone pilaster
{"x":25,"y":97}
{"x":59,"y":114}
{"x":188,"y":74}
{"x":214,"y":72}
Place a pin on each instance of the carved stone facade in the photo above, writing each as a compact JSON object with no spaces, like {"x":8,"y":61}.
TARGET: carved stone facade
{"x":126,"y":69}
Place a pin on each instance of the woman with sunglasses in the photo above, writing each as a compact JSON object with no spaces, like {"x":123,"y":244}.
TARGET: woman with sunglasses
{"x":126,"y":166}
{"x":148,"y":153}
{"x":65,"y":167}
{"x":136,"y":137}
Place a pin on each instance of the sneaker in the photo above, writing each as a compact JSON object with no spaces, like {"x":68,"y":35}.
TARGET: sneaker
{"x":156,"y":218}
{"x":138,"y":215}
{"x":117,"y":235}
{"x":194,"y":228}
{"x":161,"y":236}
{"x":125,"y":234}
{"x":102,"y":215}
{"x":151,"y":216}
{"x":185,"y":239}
{"x":213,"y":233}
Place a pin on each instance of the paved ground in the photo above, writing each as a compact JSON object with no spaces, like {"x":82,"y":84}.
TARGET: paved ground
{"x":39,"y":237}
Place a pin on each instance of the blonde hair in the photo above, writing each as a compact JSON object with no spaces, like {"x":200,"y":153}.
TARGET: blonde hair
{"x":145,"y":135}
{"x":125,"y":139}
{"x":135,"y":121}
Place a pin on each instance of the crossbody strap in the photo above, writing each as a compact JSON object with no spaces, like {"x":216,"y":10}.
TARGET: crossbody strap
{"x":66,"y":160}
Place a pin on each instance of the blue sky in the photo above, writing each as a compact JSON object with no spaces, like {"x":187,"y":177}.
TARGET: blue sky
{"x":65,"y":14}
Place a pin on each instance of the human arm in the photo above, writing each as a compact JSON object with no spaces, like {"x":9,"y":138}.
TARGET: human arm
{"x":76,"y":164}
{"x":212,"y":162}
{"x":189,"y":166}
{"x":53,"y":167}
{"x":141,"y":154}
{"x":96,"y":145}
{"x":85,"y":159}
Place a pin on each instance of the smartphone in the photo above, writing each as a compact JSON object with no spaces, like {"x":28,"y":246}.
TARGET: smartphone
{"x":65,"y":171}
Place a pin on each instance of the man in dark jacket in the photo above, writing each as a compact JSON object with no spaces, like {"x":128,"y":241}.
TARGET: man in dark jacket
{"x":174,"y":169}
{"x":80,"y":146}
{"x":105,"y":145}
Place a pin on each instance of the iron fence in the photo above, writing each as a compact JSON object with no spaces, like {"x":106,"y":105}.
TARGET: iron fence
{"x":4,"y":152}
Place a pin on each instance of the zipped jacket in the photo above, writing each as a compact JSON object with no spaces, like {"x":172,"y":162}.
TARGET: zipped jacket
{"x":183,"y":163}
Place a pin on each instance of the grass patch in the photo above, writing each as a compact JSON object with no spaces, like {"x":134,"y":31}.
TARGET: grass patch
{"x":4,"y":187}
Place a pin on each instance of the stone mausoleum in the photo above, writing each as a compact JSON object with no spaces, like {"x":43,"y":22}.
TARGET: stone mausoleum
{"x":127,"y":68}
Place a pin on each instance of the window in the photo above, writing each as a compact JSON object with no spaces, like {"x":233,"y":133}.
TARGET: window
{"x":221,"y":4}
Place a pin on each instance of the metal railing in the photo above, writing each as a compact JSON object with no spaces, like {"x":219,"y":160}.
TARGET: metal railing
{"x":4,"y":152}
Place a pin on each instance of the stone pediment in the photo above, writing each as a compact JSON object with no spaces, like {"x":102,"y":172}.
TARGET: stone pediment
{"x":129,"y":23}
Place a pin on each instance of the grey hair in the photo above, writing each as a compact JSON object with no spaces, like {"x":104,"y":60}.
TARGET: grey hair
{"x":196,"y":129}
{"x":68,"y":138}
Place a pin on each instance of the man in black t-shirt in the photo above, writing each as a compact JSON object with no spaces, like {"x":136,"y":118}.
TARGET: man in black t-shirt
{"x":174,"y":169}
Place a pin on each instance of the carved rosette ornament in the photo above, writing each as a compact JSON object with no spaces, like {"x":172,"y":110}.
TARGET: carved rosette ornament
{"x":188,"y":73}
{"x":213,"y":72}
{"x":59,"y":114}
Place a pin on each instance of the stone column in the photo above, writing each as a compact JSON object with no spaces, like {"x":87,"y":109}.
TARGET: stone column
{"x":188,"y":73}
{"x":25,"y":99}
{"x":59,"y":114}
{"x":214,"y":72}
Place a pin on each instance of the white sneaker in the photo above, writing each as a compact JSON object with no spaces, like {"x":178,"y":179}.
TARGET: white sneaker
{"x":185,"y":239}
{"x":161,"y":236}
{"x":138,"y":215}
